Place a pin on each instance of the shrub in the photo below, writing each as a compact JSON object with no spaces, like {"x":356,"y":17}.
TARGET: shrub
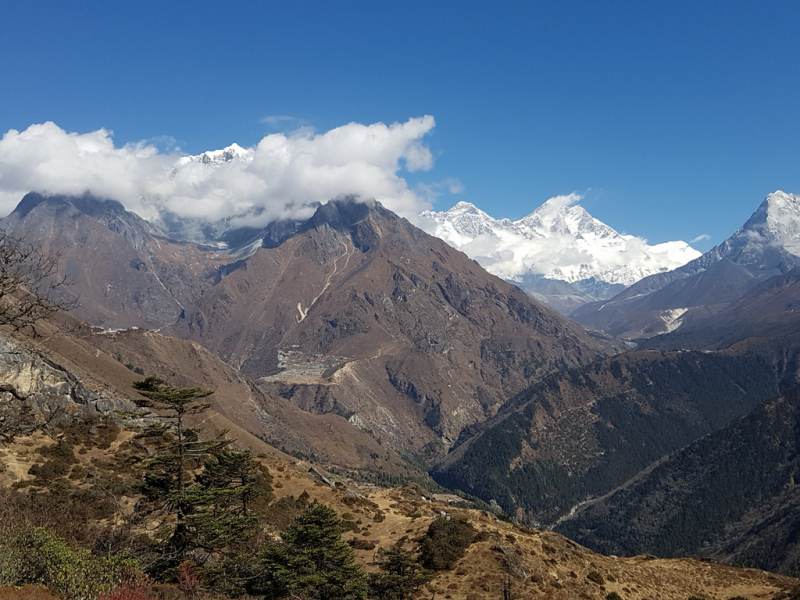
{"x":445,"y":542}
{"x":362,"y":544}
{"x":35,"y":555}
{"x":596,"y":577}
{"x":188,"y":580}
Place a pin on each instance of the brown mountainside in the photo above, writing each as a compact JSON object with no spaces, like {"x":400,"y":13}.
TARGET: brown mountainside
{"x":429,"y":341}
{"x":354,"y":313}
{"x":107,"y":364}
{"x":123,"y":273}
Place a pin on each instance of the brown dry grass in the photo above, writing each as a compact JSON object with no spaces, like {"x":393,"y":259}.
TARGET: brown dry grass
{"x":26,"y":592}
{"x":548,"y":564}
{"x":545,"y":564}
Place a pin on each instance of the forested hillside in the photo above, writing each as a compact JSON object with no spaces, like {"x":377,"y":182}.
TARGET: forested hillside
{"x":730,"y":496}
{"x":582,"y":433}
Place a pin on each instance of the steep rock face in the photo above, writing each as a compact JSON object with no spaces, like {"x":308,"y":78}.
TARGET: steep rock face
{"x":427,"y":336}
{"x":122,"y":272}
{"x":765,"y":246}
{"x":28,"y":373}
{"x":559,"y":253}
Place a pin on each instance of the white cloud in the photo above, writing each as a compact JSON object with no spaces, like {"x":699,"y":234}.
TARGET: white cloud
{"x":276,"y":119}
{"x":700,"y":238}
{"x":431,"y":191}
{"x":564,"y":200}
{"x":285,"y":173}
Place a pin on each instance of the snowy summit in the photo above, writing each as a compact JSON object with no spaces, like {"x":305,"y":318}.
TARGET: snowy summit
{"x":219,"y":157}
{"x":557,"y":242}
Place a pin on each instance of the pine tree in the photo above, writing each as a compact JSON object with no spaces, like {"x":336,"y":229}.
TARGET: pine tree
{"x":168,"y":469}
{"x":206,"y":511}
{"x":401,"y":575}
{"x":313,"y":562}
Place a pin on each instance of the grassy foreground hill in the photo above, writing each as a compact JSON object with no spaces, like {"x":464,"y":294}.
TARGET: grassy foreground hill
{"x":94,"y":496}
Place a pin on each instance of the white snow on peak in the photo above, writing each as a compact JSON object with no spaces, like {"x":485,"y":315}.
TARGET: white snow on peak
{"x":774,"y":225}
{"x":558,"y":240}
{"x":782,"y":221}
{"x":218,"y":157}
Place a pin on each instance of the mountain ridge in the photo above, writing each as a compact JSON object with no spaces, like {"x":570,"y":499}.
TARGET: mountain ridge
{"x":408,"y":338}
{"x":558,"y":244}
{"x":765,"y":246}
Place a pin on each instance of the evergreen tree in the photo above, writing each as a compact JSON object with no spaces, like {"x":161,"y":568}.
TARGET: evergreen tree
{"x":401,"y":576}
{"x":237,"y":479}
{"x":167,"y":470}
{"x":313,"y":562}
{"x":209,"y":510}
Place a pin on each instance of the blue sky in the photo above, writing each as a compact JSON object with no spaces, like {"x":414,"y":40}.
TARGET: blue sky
{"x":673,"y":118}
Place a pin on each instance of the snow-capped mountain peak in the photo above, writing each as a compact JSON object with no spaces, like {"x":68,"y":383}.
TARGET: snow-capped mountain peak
{"x":559,"y":240}
{"x":771,"y":232}
{"x":219,"y":157}
{"x":557,"y":218}
{"x":777,"y":220}
{"x":461,"y":224}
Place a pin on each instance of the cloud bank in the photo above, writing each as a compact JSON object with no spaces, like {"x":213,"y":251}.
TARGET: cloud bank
{"x":274,"y":179}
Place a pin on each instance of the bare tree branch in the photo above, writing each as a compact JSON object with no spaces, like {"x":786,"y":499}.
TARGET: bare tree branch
{"x":30,"y":285}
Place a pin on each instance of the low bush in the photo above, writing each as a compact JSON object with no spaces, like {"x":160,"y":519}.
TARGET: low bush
{"x":35,"y":555}
{"x":596,"y":577}
{"x":445,"y":542}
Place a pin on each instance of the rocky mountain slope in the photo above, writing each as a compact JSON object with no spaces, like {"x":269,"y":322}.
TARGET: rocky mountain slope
{"x":122,"y":271}
{"x":765,"y":246}
{"x":364,"y":315}
{"x":559,"y":253}
{"x":109,"y":362}
{"x":354,"y":313}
